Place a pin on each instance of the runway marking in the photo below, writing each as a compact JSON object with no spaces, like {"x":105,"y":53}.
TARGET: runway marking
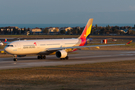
{"x":129,"y":52}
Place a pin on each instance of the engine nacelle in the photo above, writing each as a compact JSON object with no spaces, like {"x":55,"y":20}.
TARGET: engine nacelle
{"x":61,"y":54}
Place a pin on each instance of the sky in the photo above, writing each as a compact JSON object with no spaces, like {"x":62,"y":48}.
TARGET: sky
{"x":67,"y":11}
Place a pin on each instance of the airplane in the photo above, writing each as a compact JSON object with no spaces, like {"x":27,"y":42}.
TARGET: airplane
{"x":1,"y":44}
{"x":59,"y":47}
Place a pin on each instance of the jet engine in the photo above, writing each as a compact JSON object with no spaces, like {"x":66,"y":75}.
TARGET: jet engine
{"x":61,"y":54}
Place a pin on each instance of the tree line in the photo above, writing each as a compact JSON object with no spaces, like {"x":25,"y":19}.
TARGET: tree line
{"x":96,"y":30}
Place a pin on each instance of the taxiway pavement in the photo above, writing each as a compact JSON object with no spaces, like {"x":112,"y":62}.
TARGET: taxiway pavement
{"x":1,"y":49}
{"x":80,"y":57}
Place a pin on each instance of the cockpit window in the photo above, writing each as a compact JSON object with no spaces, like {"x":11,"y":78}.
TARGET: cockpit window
{"x":9,"y":45}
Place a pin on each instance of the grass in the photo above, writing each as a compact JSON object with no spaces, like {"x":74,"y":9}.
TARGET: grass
{"x":2,"y":47}
{"x":61,"y":36}
{"x":39,"y":36}
{"x":112,"y":75}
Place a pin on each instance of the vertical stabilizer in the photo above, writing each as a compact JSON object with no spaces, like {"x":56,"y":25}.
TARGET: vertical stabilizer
{"x":87,"y":30}
{"x":5,"y":40}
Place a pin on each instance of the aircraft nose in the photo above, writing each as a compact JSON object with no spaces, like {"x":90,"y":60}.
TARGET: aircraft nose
{"x":6,"y":49}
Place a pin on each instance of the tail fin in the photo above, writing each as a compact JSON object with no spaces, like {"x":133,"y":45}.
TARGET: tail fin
{"x":5,"y":40}
{"x":129,"y":42}
{"x":87,"y":30}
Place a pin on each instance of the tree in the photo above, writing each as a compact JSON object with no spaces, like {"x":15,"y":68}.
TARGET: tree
{"x":28,"y":29}
{"x":0,"y":30}
{"x":45,"y":30}
{"x":96,"y":26}
{"x":108,"y":27}
{"x":80,"y":31}
{"x":68,"y":32}
{"x":103,"y":31}
{"x":75,"y":31}
{"x":132,"y":32}
{"x":63,"y":32}
{"x":129,"y":31}
{"x":25,"y":30}
{"x":93,"y":31}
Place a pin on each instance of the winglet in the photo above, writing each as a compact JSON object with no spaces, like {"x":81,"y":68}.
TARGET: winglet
{"x":129,"y":42}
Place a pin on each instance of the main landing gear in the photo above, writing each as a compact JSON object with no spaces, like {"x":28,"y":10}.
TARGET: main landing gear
{"x":15,"y":58}
{"x":66,"y":58}
{"x":41,"y":57}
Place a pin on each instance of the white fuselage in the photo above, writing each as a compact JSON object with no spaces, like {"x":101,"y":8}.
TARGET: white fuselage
{"x":25,"y":47}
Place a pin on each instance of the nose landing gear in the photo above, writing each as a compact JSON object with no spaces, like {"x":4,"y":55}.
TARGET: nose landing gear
{"x":15,"y":58}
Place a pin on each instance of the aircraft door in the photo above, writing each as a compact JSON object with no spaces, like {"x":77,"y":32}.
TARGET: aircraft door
{"x":19,"y":47}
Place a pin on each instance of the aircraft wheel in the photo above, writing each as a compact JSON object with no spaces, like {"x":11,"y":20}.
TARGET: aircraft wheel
{"x":15,"y":59}
{"x":38,"y":57}
{"x":66,"y":57}
{"x":41,"y":57}
{"x":62,"y":58}
{"x":44,"y":57}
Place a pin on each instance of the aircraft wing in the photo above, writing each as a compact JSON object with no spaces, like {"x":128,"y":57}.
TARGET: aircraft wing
{"x":78,"y":47}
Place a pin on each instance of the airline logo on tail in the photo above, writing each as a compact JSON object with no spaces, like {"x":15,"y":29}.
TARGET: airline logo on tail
{"x":86,"y":32}
{"x":5,"y":40}
{"x":87,"y":29}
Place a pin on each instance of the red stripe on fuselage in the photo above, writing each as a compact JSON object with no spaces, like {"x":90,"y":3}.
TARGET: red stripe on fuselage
{"x":83,"y":42}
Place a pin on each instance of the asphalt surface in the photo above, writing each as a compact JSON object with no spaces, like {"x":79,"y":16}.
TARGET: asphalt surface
{"x":1,"y":49}
{"x":79,"y":57}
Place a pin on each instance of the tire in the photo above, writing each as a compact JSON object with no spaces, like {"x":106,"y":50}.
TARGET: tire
{"x":44,"y":57}
{"x":15,"y":59}
{"x":41,"y":57}
{"x":38,"y":57}
{"x":66,"y":57}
